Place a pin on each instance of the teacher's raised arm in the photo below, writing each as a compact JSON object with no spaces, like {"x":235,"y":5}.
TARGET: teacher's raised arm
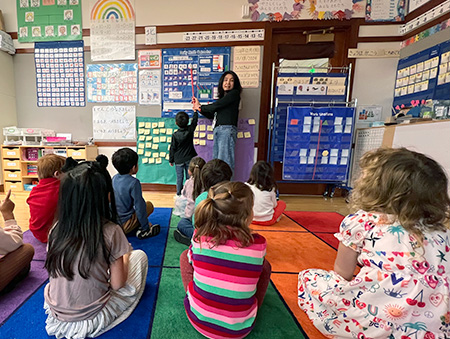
{"x":224,"y":111}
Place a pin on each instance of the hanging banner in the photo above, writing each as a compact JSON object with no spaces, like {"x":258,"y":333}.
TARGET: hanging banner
{"x":114,"y":122}
{"x":150,"y":87}
{"x":112,"y":30}
{"x":42,"y":20}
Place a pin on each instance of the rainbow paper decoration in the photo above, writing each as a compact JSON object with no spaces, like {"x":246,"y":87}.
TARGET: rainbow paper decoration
{"x":112,"y":9}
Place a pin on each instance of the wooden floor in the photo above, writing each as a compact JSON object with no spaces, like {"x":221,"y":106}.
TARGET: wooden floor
{"x":163,"y":199}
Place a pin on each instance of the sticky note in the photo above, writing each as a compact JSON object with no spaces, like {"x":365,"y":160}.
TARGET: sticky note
{"x":151,"y":161}
{"x":140,"y":151}
{"x":197,"y":128}
{"x":202,"y":135}
{"x":148,"y":154}
{"x":209,"y":128}
{"x":158,"y":160}
{"x":161,"y":124}
{"x":251,"y":121}
{"x":169,"y":131}
{"x":294,"y":122}
{"x":162,"y":131}
{"x":155,"y":155}
{"x":247,"y":135}
{"x":169,"y":139}
{"x":145,"y":160}
{"x":147,"y":132}
{"x":195,"y":134}
{"x":141,"y":124}
{"x":156,"y":131}
{"x":303,"y":152}
{"x":155,"y":146}
{"x":240,"y":135}
{"x":196,"y":142}
{"x":162,"y":154}
{"x":202,"y":127}
{"x":141,"y":145}
{"x":148,"y":125}
{"x":141,"y":131}
{"x":148,"y":137}
{"x":141,"y":137}
{"x":163,"y":139}
{"x":210,"y":136}
{"x":148,"y":145}
{"x":168,"y":147}
{"x":154,"y":124}
{"x":202,"y":142}
{"x":167,"y":157}
{"x":156,"y":140}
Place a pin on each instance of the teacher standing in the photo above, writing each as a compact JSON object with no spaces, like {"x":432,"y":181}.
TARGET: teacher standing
{"x":225,"y":113}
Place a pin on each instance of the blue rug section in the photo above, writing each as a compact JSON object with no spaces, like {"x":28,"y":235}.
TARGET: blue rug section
{"x":161,"y":215}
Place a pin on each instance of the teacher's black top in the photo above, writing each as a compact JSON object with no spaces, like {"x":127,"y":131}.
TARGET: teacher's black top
{"x":227,"y":109}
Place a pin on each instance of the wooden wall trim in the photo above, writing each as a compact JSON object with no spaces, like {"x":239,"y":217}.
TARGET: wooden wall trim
{"x":382,"y":39}
{"x":115,"y":143}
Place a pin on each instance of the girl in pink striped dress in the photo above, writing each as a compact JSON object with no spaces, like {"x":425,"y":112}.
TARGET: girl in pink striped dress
{"x":224,"y":271}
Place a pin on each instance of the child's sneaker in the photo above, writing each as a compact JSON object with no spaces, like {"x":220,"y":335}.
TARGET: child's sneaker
{"x":151,"y":232}
{"x":181,"y":238}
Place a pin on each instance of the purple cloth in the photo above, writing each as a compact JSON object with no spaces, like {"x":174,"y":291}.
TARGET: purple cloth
{"x":244,"y":151}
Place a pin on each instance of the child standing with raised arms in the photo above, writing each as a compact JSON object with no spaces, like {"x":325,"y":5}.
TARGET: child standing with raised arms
{"x":400,"y":236}
{"x":224,"y":271}
{"x":96,"y":280}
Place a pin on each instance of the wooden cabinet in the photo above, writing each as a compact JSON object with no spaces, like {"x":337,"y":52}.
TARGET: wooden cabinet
{"x":19,"y":163}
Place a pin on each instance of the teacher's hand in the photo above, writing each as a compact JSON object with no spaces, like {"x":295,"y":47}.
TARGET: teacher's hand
{"x":195,"y":104}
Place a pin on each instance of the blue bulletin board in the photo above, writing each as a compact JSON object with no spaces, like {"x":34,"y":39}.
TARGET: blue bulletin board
{"x":442,"y":91}
{"x":318,"y":144}
{"x":191,"y":71}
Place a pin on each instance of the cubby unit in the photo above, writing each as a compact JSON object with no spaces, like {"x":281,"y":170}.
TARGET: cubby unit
{"x":19,"y":163}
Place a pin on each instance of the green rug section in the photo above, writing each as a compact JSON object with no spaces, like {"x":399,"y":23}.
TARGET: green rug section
{"x":173,"y":248}
{"x":170,"y":321}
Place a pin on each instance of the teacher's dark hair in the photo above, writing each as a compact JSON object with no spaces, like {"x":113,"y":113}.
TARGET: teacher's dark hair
{"x":237,"y":83}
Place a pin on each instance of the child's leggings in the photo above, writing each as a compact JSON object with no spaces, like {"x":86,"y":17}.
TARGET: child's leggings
{"x":15,"y":263}
{"x":187,"y":275}
{"x":277,"y":212}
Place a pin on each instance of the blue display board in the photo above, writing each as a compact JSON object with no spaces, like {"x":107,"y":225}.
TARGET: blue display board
{"x":318,"y":144}
{"x":191,"y":71}
{"x":289,"y":84}
{"x":442,"y":91}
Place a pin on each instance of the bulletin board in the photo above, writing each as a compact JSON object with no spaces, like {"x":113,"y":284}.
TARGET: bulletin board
{"x":49,"y":20}
{"x":153,"y":144}
{"x":318,"y":144}
{"x":442,"y":91}
{"x":188,"y":72}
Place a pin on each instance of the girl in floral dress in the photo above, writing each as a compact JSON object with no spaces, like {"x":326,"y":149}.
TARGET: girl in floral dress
{"x":400,"y":237}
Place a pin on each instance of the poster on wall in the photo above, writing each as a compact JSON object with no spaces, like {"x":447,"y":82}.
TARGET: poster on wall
{"x":191,"y":72}
{"x":59,"y":73}
{"x":382,"y":10}
{"x":114,"y":122}
{"x":41,"y":20}
{"x":112,"y":30}
{"x":414,"y":4}
{"x":149,"y":59}
{"x":150,"y":87}
{"x":246,"y":65}
{"x":112,"y":82}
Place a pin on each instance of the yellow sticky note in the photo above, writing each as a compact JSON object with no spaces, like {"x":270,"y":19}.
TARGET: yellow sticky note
{"x":148,"y":125}
{"x":155,"y":155}
{"x":209,"y":128}
{"x":210,"y":136}
{"x":148,"y":145}
{"x":158,"y":160}
{"x":162,"y":131}
{"x":202,"y":135}
{"x":197,"y":128}
{"x":156,"y":131}
{"x":168,"y":148}
{"x":140,"y":151}
{"x":162,"y":139}
{"x":154,"y":124}
{"x":145,"y":160}
{"x":156,"y":140}
{"x":141,"y":145}
{"x":169,"y":139}
{"x":155,"y":146}
{"x":167,"y":157}
{"x":141,"y":131}
{"x":195,"y":134}
{"x":240,"y":135}
{"x":202,"y":142}
{"x":162,"y":154}
{"x":148,"y":154}
{"x":146,"y":131}
{"x":251,"y":121}
{"x":141,"y":138}
{"x":196,"y":142}
{"x":141,"y":124}
{"x":161,"y":124}
{"x":247,"y":135}
{"x":148,"y":137}
{"x":202,"y":127}
{"x":169,"y":131}
{"x":151,"y":161}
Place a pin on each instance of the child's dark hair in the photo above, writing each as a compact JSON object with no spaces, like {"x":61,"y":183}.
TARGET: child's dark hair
{"x":213,"y":172}
{"x":182,"y":119}
{"x":262,"y":176}
{"x":195,"y":167}
{"x":225,"y":214}
{"x":83,"y":209}
{"x":124,"y":160}
{"x":69,"y":164}
{"x":237,"y":83}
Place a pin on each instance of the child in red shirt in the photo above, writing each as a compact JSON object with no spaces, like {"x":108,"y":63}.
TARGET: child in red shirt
{"x":43,"y":198}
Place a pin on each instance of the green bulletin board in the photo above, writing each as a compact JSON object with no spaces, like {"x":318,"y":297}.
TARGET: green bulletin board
{"x":49,"y":20}
{"x":153,"y":143}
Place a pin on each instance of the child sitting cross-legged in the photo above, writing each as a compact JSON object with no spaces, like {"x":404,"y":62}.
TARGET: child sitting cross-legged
{"x":224,"y":271}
